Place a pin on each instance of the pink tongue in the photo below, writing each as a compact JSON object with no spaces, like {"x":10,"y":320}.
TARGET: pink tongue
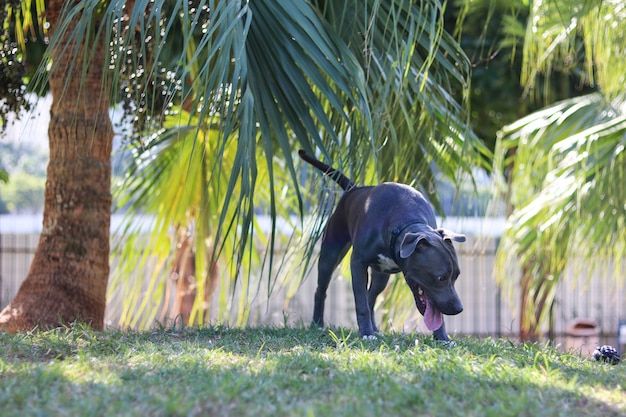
{"x":432,"y":317}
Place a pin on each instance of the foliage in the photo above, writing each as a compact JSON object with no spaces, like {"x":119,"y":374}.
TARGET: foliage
{"x":24,"y":193}
{"x":23,"y":156}
{"x":567,"y":186}
{"x":565,"y":163}
{"x":178,"y":167}
{"x":489,"y":33}
{"x":26,"y":164}
{"x":11,"y":68}
{"x":271,"y":371}
{"x":576,"y":36}
{"x":20,"y":23}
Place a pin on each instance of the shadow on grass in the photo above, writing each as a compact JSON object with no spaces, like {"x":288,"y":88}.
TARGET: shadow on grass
{"x":273,"y":372}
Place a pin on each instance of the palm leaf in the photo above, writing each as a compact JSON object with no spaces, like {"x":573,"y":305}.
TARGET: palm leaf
{"x":574,"y":36}
{"x":567,"y":187}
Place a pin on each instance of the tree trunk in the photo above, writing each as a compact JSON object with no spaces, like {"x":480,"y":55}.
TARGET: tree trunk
{"x":528,"y":329}
{"x":183,"y":273}
{"x":68,"y":276}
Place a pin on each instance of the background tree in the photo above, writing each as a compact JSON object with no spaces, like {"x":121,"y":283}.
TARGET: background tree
{"x":491,"y":32}
{"x":565,"y":164}
{"x":525,"y":56}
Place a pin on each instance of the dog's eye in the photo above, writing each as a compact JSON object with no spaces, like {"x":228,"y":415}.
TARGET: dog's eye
{"x":442,"y":278}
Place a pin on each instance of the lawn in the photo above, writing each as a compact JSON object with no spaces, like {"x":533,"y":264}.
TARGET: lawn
{"x":221,"y":371}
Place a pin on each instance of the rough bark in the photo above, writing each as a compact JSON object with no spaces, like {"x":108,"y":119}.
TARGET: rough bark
{"x":68,"y":277}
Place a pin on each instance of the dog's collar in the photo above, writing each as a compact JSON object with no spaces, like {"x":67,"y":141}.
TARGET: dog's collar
{"x":394,"y":236}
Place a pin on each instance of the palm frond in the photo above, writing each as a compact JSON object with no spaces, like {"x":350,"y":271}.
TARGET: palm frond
{"x":582,"y":37}
{"x":412,"y":65}
{"x":567,"y":187}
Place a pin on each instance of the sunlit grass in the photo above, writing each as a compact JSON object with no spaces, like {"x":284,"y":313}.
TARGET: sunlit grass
{"x":295,"y":372}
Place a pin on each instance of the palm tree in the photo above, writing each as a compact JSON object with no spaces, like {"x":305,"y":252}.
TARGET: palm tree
{"x":366,"y":83}
{"x":68,"y":276}
{"x":566,"y":163}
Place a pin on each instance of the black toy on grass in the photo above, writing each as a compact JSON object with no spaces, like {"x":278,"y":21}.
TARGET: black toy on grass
{"x":607,"y":354}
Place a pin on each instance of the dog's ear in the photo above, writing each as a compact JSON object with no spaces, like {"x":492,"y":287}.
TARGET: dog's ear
{"x":409,"y":243}
{"x":449,"y":235}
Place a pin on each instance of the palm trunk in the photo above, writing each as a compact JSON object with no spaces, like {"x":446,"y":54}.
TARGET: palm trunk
{"x":535,"y":301}
{"x":528,"y":329}
{"x":68,"y":276}
{"x":184,"y":274}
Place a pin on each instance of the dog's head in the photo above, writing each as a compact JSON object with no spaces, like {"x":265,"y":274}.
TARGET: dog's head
{"x":430,"y":266}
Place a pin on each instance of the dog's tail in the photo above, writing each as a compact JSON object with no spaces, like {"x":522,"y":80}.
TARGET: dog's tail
{"x":343,"y":181}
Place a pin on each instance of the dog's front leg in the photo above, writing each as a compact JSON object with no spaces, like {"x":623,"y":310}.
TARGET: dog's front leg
{"x":359,"y":288}
{"x":440,"y":333}
{"x":378,"y":282}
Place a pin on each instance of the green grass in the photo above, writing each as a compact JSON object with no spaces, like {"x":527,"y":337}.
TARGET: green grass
{"x":220,"y":371}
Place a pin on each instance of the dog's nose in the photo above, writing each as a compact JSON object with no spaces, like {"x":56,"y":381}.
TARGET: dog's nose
{"x":454,"y":308}
{"x":460,"y":309}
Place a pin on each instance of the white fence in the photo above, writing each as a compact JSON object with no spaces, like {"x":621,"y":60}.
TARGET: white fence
{"x":599,"y":296}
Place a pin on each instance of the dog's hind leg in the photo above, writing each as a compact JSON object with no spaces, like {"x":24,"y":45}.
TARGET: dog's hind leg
{"x":334,"y":247}
{"x":378,"y":282}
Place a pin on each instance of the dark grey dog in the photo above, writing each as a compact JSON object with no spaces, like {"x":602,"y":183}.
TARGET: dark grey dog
{"x":391,"y":228}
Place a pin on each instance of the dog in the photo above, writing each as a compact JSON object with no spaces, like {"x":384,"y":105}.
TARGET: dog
{"x":391,"y":228}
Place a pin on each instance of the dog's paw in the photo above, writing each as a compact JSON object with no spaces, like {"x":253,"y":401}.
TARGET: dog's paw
{"x":369,"y":337}
{"x":446,"y":343}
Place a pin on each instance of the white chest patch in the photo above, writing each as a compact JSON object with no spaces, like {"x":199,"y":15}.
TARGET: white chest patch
{"x":387,"y":264}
